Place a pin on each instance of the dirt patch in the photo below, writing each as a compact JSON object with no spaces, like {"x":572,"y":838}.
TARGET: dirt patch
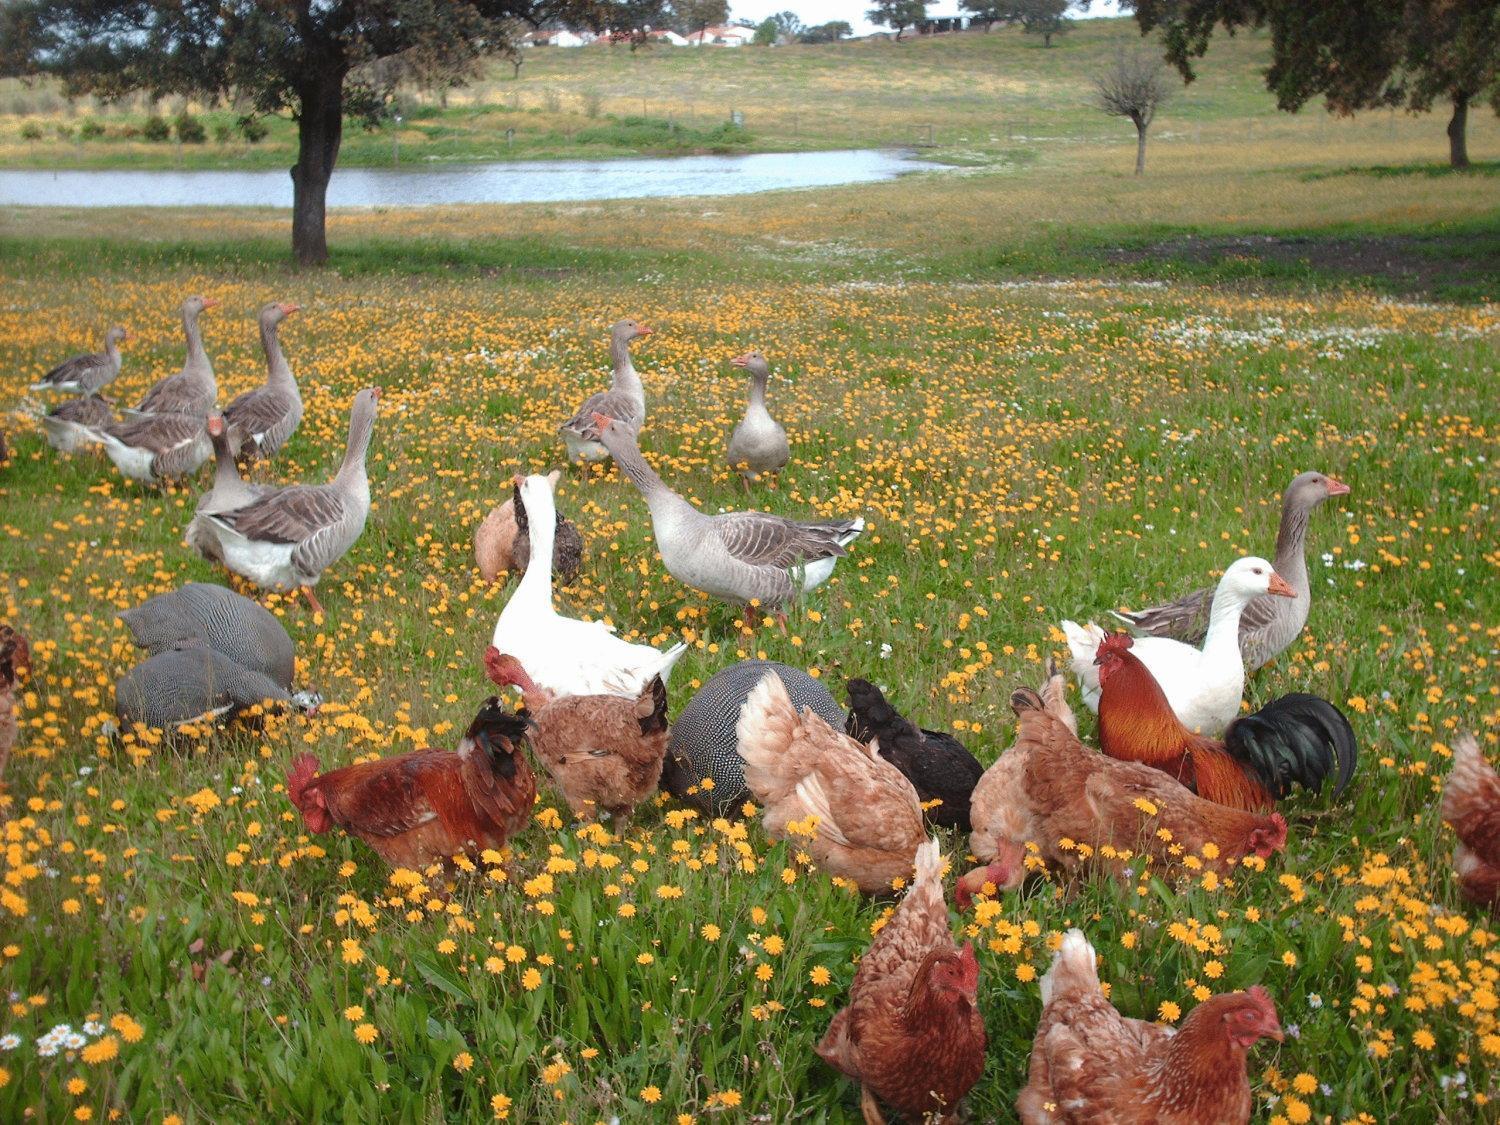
{"x":1405,"y":263}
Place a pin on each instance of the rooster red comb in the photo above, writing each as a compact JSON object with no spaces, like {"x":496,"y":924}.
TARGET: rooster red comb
{"x":1262,"y":999}
{"x":1112,"y":645}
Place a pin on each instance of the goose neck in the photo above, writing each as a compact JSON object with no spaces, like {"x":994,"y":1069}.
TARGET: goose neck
{"x":625,"y":377}
{"x":536,"y":582}
{"x":1291,"y":545}
{"x":277,"y":371}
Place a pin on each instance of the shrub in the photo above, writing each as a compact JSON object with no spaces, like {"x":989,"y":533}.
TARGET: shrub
{"x":91,"y":129}
{"x":64,"y":132}
{"x":223,"y":133}
{"x":31,"y":131}
{"x":190,"y":130}
{"x":156,"y":128}
{"x":252,"y":128}
{"x":593,"y":102}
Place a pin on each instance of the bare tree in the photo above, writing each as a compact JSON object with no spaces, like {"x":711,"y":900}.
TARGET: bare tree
{"x":1134,"y":86}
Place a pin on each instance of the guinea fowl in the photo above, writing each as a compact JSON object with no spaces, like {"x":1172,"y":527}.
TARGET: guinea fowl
{"x":1204,"y":686}
{"x":564,"y":655}
{"x":427,"y":806}
{"x":1297,"y":739}
{"x":758,"y":444}
{"x":938,"y":765}
{"x":288,"y":538}
{"x":15,"y":657}
{"x":73,"y":424}
{"x":86,"y":374}
{"x":230,"y":490}
{"x":241,"y":629}
{"x":703,"y":766}
{"x":625,"y":400}
{"x":190,"y":681}
{"x":1268,"y":625}
{"x":264,"y":418}
{"x":604,"y":752}
{"x":1471,"y":803}
{"x":157,"y":448}
{"x":739,"y":557}
{"x":193,"y":389}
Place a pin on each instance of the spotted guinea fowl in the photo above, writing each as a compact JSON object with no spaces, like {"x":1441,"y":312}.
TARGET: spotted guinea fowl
{"x":738,"y":557}
{"x":191,"y":681}
{"x":265,"y":417}
{"x":287,"y":539}
{"x":86,"y":374}
{"x":1268,"y":625}
{"x":937,"y":764}
{"x":567,"y":543}
{"x":758,"y":444}
{"x":241,"y":629}
{"x":704,"y":745}
{"x":193,"y":389}
{"x":230,"y":490}
{"x":72,"y":424}
{"x":625,"y":399}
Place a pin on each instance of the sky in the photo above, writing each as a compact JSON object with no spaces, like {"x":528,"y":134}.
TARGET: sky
{"x":853,"y":11}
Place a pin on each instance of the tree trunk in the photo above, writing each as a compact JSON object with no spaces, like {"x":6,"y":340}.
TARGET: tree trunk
{"x":320,"y":129}
{"x":1140,"y":149}
{"x":1458,"y":140}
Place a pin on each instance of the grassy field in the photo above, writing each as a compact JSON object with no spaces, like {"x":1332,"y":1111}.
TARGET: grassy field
{"x":1051,"y":389}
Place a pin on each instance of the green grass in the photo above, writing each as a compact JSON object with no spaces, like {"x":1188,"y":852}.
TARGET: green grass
{"x":1052,"y":389}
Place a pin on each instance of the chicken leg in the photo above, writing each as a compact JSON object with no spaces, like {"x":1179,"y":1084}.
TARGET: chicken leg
{"x":867,"y":1103}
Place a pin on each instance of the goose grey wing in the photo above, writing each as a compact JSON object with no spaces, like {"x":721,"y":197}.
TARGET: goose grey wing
{"x":256,"y":412}
{"x":91,"y":370}
{"x":761,"y":539}
{"x":612,"y":404}
{"x":293,"y":515}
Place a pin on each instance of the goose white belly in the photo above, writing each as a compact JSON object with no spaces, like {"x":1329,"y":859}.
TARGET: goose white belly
{"x":584,"y":449}
{"x":268,"y":565}
{"x":132,"y":461}
{"x":65,"y":436}
{"x":814,"y":574}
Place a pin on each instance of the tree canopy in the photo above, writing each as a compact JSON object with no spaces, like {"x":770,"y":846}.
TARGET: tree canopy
{"x":1355,"y":54}
{"x":316,"y":59}
{"x":897,"y":15}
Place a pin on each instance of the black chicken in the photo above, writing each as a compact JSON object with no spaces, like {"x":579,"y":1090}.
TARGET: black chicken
{"x":937,"y":764}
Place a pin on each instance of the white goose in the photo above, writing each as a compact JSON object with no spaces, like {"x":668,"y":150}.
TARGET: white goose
{"x":563,"y":655}
{"x":1204,"y":686}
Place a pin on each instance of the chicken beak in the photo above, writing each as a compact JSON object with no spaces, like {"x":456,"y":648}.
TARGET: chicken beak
{"x":1280,"y":587}
{"x":1272,"y":1030}
{"x":1337,"y":487}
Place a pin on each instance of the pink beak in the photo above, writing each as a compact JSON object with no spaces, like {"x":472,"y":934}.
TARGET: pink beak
{"x":288,"y":310}
{"x":1280,"y":587}
{"x":1337,"y":487}
{"x":741,"y":360}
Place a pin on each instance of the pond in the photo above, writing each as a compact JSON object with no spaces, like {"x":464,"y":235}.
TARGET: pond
{"x":541,"y":181}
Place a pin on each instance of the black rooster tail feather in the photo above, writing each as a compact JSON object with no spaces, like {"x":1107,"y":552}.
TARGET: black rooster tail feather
{"x":1297,"y":739}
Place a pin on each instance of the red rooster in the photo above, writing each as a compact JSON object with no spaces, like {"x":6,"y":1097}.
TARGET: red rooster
{"x":1471,"y":803}
{"x":1090,"y":1064}
{"x":1297,"y":738}
{"x":427,"y":806}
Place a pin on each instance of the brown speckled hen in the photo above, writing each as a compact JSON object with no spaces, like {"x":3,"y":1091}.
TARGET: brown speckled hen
{"x":604,"y":752}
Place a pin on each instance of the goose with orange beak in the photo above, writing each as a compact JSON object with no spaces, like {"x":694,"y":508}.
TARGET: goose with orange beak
{"x":625,"y":400}
{"x":267,"y":416}
{"x":193,"y":389}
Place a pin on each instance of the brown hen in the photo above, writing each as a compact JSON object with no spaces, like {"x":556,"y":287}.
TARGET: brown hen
{"x":604,"y":752}
{"x":869,"y":819}
{"x":1049,"y":788}
{"x":912,"y":1034}
{"x":1471,"y":803}
{"x":1089,"y":1064}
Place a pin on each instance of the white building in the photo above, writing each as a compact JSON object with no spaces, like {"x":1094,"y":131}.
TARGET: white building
{"x":724,"y":36}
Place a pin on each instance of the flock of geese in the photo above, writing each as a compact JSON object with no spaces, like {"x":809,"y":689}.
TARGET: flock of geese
{"x":283,"y":537}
